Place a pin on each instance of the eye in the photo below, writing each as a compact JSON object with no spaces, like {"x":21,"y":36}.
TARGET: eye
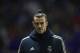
{"x":36,"y":23}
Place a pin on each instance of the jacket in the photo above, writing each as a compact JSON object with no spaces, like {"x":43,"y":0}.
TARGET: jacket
{"x":42,"y":43}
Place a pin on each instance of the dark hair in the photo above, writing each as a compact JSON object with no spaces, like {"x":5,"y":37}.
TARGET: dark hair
{"x":40,"y":14}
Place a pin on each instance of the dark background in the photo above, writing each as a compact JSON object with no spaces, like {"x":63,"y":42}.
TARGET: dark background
{"x":16,"y":21}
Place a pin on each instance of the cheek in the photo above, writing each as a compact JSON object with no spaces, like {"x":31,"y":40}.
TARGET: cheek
{"x":36,"y":26}
{"x":45,"y":24}
{"x":44,"y":27}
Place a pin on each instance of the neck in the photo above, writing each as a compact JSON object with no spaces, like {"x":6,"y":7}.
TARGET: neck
{"x":41,"y":36}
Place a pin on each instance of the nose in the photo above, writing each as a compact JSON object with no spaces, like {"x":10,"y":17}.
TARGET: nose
{"x":39,"y":25}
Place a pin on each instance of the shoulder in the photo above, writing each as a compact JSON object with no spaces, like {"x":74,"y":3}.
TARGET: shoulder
{"x":57,"y":37}
{"x":25,"y":40}
{"x":23,"y":44}
{"x":27,"y":37}
{"x":60,"y":41}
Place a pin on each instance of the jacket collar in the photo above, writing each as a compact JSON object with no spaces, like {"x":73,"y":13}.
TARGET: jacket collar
{"x":41,"y":37}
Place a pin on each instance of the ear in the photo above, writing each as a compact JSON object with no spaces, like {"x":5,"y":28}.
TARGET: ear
{"x":47,"y":23}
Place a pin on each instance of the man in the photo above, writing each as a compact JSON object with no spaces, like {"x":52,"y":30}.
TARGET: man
{"x":41,"y":39}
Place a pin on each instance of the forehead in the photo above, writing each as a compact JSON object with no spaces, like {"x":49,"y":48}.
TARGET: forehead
{"x":39,"y":19}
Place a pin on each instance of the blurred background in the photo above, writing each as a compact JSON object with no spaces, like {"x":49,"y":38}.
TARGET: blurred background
{"x":16,"y":22}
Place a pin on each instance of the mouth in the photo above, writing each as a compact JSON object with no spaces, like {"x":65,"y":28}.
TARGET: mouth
{"x":40,"y":29}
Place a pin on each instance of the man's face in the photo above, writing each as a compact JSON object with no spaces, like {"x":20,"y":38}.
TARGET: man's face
{"x":40,"y":24}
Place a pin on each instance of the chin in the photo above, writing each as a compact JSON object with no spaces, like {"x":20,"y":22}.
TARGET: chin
{"x":40,"y":32}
